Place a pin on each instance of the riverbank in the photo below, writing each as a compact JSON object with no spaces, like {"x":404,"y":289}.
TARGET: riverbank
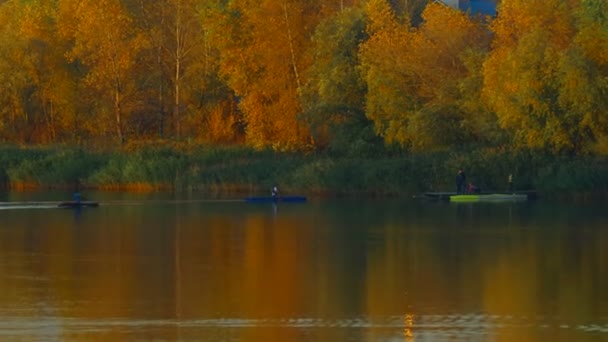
{"x":239,"y":169}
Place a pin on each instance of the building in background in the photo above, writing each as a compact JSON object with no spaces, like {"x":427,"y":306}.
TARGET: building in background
{"x":474,"y":7}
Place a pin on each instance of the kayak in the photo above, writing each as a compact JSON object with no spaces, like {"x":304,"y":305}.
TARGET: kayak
{"x":77,"y":204}
{"x":438,"y":195}
{"x":267,"y":199}
{"x":489,"y":198}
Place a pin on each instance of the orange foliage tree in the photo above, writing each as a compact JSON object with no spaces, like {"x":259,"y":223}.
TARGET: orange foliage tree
{"x":263,"y":48}
{"x":13,"y":80}
{"x":56,"y":92}
{"x":37,"y":83}
{"x":188,"y":95}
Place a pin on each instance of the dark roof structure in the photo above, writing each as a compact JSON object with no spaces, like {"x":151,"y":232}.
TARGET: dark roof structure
{"x":478,"y":7}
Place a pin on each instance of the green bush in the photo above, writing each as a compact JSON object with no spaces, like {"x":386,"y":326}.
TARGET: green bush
{"x":52,"y":168}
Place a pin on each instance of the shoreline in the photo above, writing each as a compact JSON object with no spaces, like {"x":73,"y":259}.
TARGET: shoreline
{"x":221,"y":191}
{"x":247,"y":171}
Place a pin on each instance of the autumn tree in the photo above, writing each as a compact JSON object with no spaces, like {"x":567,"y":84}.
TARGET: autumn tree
{"x":27,"y":64}
{"x":380,"y":57}
{"x":54,"y":97}
{"x":106,"y":42}
{"x":173,"y":31}
{"x":333,"y":97}
{"x":182,"y":45}
{"x":417,"y":77}
{"x":264,"y":53}
{"x":583,"y":92}
{"x":151,"y":17}
{"x":521,"y":75}
{"x":210,"y":104}
{"x":410,"y":10}
{"x":13,"y":80}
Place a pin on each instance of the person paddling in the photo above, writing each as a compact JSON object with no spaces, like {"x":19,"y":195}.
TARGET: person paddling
{"x":275,"y":192}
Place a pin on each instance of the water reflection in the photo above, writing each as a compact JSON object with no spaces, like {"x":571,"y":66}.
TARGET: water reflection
{"x":323,"y":271}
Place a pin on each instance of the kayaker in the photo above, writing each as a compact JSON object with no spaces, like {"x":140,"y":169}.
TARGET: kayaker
{"x":76,"y":197}
{"x":275,"y":191}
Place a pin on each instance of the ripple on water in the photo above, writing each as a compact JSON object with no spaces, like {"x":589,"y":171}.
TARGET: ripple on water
{"x":421,"y":326}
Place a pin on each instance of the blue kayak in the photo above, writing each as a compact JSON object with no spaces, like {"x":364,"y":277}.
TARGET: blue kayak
{"x":78,"y":204}
{"x":267,"y":199}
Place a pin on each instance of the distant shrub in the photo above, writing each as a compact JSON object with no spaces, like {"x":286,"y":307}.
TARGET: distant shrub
{"x":54,"y":168}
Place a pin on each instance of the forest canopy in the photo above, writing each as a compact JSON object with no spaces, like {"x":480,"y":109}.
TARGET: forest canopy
{"x":414,"y":75}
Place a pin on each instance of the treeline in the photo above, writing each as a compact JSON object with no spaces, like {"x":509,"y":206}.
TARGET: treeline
{"x":347,"y":75}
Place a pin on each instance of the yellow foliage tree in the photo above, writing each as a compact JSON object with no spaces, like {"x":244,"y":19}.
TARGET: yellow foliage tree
{"x":521,"y":73}
{"x":107,"y":43}
{"x":414,"y":74}
{"x":584,"y":79}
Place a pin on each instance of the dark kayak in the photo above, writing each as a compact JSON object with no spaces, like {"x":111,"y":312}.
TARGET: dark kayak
{"x":263,"y":199}
{"x":77,"y":204}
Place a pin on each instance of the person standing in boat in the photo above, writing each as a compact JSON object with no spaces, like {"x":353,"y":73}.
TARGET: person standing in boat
{"x":510,"y":180}
{"x":461,"y":181}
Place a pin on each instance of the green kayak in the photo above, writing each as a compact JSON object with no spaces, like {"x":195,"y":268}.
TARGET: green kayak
{"x":488,"y":198}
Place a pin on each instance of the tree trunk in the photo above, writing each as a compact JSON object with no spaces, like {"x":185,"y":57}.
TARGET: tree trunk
{"x":291,"y":47}
{"x":118,"y":116}
{"x":178,"y":56}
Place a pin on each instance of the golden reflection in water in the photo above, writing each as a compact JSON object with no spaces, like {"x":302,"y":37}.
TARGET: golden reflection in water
{"x":143,"y":275}
{"x":409,"y":325}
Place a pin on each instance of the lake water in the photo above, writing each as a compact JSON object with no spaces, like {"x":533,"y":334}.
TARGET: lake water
{"x":155,"y":268}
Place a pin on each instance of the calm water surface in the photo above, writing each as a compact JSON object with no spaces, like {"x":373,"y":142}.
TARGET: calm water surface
{"x":140,"y":268}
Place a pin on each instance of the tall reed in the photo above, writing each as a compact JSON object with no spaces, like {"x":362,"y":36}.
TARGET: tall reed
{"x":214,"y":168}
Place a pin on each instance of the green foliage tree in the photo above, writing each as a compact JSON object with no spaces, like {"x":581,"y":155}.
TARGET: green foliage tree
{"x":380,"y":57}
{"x":333,"y":97}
